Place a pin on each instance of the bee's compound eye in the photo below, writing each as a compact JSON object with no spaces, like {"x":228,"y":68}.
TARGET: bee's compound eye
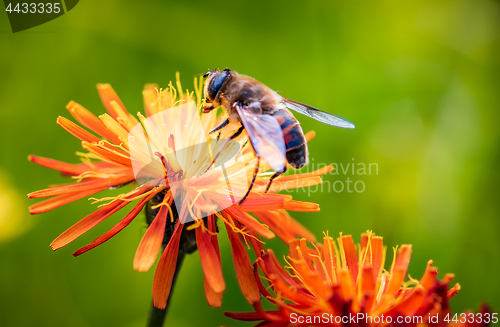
{"x":216,"y":83}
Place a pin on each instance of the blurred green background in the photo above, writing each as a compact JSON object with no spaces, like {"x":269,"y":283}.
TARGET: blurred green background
{"x":420,"y":80}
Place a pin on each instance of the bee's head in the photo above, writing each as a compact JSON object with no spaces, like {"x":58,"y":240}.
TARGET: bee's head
{"x":214,"y":82}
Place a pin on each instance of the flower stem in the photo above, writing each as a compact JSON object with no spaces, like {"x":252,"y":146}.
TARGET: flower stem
{"x":157,"y":316}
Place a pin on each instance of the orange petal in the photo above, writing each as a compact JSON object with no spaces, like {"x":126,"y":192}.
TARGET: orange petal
{"x":89,"y":120}
{"x":277,"y":185}
{"x":363,"y":243}
{"x":247,"y":316}
{"x":150,"y":245}
{"x":115,"y":127}
{"x":107,"y":94}
{"x":210,"y":261}
{"x":262,"y":288}
{"x":279,"y":223}
{"x":165,"y":271}
{"x":367,"y":287}
{"x":76,"y":130}
{"x":107,"y":154}
{"x":249,"y":222}
{"x":61,"y":200}
{"x":301,"y":206}
{"x":307,"y":252}
{"x":453,"y":291}
{"x":103,"y":167}
{"x":429,"y":278}
{"x":150,"y":99}
{"x":82,"y":187}
{"x":398,"y":272}
{"x":279,"y":285}
{"x":86,"y":224}
{"x":322,"y":171}
{"x":377,"y":246}
{"x":124,"y":118}
{"x":93,"y":219}
{"x":312,"y":279}
{"x":243,"y":268}
{"x":59,"y":165}
{"x":272,"y":315}
{"x":410,"y":304}
{"x":346,"y":284}
{"x":350,"y":257}
{"x":213,"y":230}
{"x":257,"y":246}
{"x":117,"y":228}
{"x":264,"y":203}
{"x":330,"y":262}
{"x":85,"y":136}
{"x":214,"y":299}
{"x":294,"y":248}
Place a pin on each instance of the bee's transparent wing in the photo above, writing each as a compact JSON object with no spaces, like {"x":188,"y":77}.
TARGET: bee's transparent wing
{"x":319,"y":115}
{"x":266,"y":137}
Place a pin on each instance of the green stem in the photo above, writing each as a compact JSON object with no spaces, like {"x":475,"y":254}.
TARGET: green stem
{"x":157,"y":316}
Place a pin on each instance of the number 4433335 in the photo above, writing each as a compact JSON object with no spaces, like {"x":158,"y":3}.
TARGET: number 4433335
{"x":32,"y":8}
{"x":481,"y":317}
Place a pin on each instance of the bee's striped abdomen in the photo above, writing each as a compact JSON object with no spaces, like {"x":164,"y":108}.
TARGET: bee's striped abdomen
{"x":295,"y":142}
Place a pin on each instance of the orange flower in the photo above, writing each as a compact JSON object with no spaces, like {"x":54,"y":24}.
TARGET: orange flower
{"x":108,"y":163}
{"x":344,"y":284}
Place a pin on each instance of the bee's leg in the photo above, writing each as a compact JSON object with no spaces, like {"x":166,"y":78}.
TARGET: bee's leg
{"x":235,"y":135}
{"x":222,"y":125}
{"x":252,"y":182}
{"x":276,"y":174}
{"x":244,"y":144}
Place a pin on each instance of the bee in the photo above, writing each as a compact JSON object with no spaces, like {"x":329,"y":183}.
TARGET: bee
{"x":274,"y":133}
